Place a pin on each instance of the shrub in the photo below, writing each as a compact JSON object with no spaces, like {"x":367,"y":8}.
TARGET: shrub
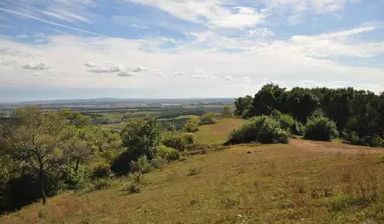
{"x":136,"y":183}
{"x":261,"y":129}
{"x":74,"y":179}
{"x":158,"y":162}
{"x":179,"y":141}
{"x":101,"y":170}
{"x":101,"y":184}
{"x":287,"y":122}
{"x":320,"y":128}
{"x":167,"y":153}
{"x":208,"y":118}
{"x":142,"y":165}
{"x":192,"y":125}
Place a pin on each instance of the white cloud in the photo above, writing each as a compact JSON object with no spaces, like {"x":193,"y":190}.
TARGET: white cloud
{"x":36,"y":66}
{"x":212,"y":12}
{"x":316,"y":6}
{"x":191,"y":69}
{"x":89,"y":64}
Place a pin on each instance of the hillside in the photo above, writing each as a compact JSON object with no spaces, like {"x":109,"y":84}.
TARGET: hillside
{"x":302,"y":182}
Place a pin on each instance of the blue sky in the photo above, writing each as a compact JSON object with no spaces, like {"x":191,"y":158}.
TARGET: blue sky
{"x":55,"y":49}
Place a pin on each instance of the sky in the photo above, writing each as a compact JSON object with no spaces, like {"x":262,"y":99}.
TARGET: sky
{"x":72,"y":49}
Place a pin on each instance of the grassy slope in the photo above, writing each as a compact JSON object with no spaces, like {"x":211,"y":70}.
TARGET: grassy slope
{"x":303,"y":182}
{"x":217,"y":133}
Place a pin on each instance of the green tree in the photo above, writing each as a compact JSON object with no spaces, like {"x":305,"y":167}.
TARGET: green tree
{"x":37,"y":141}
{"x":242,"y":105}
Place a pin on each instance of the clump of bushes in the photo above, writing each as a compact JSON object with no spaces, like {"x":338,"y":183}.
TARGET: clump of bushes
{"x":261,"y":129}
{"x":208,"y":118}
{"x":287,"y":122}
{"x":192,"y":125}
{"x":320,"y":128}
{"x":179,"y":141}
{"x":142,"y":165}
{"x":168,"y":153}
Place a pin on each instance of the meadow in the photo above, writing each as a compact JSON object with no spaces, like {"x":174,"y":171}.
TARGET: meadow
{"x":300,"y":182}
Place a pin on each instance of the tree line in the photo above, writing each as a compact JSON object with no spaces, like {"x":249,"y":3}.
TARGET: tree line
{"x":358,"y":114}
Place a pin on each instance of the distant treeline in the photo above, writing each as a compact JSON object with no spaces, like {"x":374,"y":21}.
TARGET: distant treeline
{"x":358,"y":114}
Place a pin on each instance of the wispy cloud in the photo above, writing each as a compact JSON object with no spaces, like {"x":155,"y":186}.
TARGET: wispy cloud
{"x":13,"y":12}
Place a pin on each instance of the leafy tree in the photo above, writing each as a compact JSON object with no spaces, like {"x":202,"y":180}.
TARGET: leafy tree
{"x":242,"y":105}
{"x":301,"y":103}
{"x":267,"y":99}
{"x":36,"y":143}
{"x":140,"y":138}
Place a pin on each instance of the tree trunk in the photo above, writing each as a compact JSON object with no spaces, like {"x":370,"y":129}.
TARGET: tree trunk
{"x":41,"y":177}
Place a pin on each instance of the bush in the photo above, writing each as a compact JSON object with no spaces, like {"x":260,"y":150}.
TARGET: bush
{"x":287,"y":122}
{"x":74,"y":179}
{"x":158,"y":162}
{"x":261,"y":129}
{"x":142,"y":165}
{"x":101,"y":184}
{"x":167,"y":153}
{"x":208,"y":118}
{"x":136,"y":183}
{"x":179,"y":141}
{"x":192,"y":125}
{"x":320,"y":128}
{"x":101,"y":170}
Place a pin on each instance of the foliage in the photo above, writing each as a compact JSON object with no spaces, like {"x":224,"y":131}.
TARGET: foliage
{"x":286,"y":121}
{"x":141,"y":137}
{"x":320,"y":128}
{"x":74,"y":178}
{"x":242,"y":106}
{"x":358,"y":115}
{"x":142,"y":165}
{"x":208,"y":118}
{"x":168,"y":153}
{"x":192,"y":125}
{"x":177,"y":140}
{"x":260,"y":129}
{"x":101,"y":170}
{"x":227,"y":111}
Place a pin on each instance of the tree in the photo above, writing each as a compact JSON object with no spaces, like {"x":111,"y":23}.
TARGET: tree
{"x":267,"y":99}
{"x":301,"y":103}
{"x":36,"y":142}
{"x":140,"y":138}
{"x":242,"y":105}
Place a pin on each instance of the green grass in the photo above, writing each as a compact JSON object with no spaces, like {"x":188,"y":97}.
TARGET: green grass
{"x":217,"y":133}
{"x":294,"y":183}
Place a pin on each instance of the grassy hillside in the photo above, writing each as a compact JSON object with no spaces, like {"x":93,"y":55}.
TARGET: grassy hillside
{"x":295,"y":183}
{"x":217,"y":133}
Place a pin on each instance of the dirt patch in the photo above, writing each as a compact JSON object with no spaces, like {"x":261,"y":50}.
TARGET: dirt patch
{"x":333,"y":147}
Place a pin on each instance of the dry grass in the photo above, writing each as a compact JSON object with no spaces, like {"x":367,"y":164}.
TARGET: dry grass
{"x":245,"y":184}
{"x":217,"y":133}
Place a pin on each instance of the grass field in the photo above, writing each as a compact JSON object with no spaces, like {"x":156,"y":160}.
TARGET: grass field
{"x":217,"y":133}
{"x":302,"y":182}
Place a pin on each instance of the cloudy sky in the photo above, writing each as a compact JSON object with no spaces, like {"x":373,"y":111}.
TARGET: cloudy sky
{"x":60,"y":49}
